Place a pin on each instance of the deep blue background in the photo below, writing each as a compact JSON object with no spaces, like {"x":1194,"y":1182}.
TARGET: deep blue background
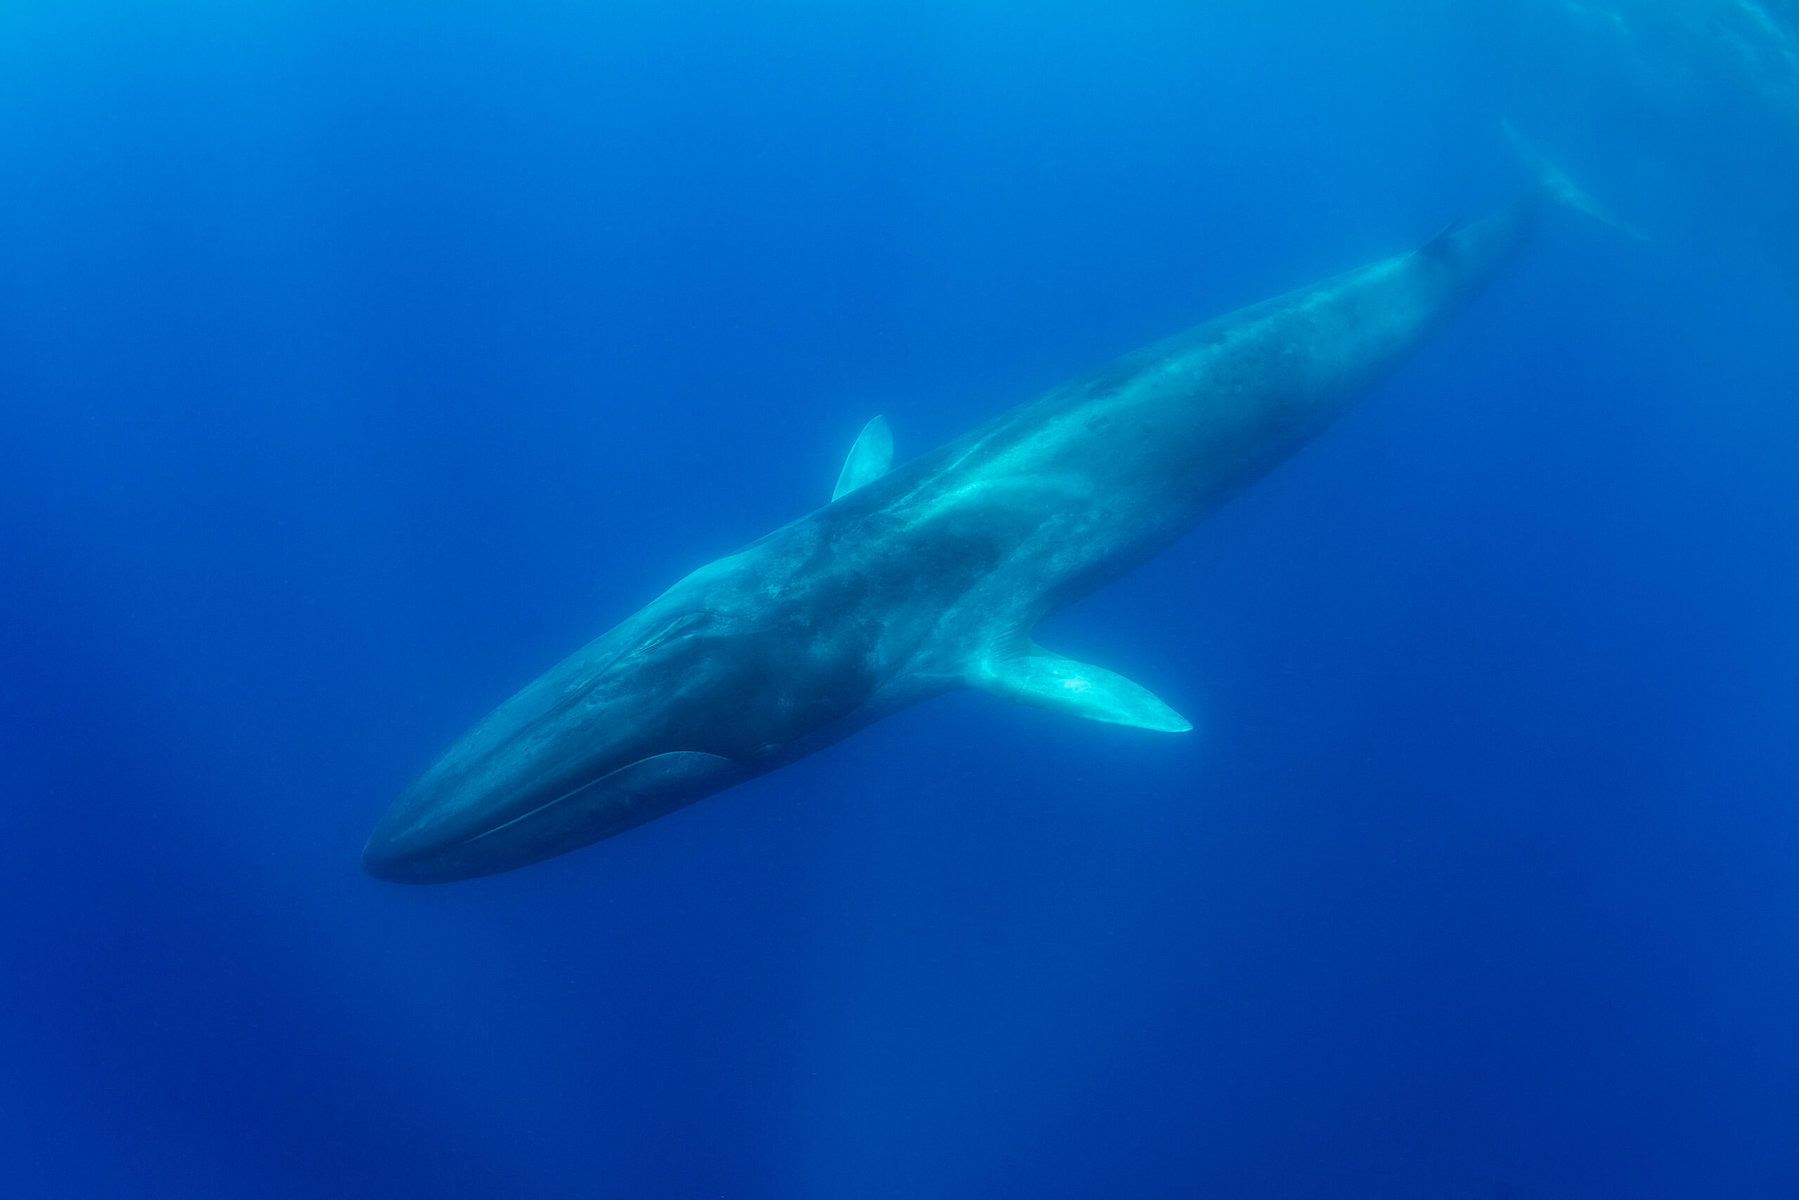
{"x":359,"y":360}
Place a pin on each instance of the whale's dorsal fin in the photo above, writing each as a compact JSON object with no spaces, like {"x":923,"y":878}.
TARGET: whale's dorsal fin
{"x":869,"y":457}
{"x":1038,"y":676}
{"x":1439,"y":244}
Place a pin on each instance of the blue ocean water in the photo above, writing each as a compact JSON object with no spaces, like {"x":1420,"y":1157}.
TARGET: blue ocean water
{"x":359,"y":361}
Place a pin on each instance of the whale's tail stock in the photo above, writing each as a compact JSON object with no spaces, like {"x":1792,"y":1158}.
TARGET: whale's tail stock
{"x":1554,"y":183}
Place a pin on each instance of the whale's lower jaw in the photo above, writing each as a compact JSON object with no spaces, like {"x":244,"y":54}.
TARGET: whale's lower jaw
{"x":407,"y":850}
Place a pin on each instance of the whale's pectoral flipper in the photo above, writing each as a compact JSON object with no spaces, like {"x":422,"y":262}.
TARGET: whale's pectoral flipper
{"x":869,"y":458}
{"x":1037,"y":676}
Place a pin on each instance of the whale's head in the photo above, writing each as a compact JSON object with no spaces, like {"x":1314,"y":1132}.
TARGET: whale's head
{"x":700,"y":690}
{"x":626,"y":729}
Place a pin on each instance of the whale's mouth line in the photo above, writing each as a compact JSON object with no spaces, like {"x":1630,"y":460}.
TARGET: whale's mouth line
{"x":547,"y":804}
{"x":572,"y":793}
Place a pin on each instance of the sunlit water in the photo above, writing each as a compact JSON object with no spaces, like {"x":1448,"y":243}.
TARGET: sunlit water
{"x":361,"y":360}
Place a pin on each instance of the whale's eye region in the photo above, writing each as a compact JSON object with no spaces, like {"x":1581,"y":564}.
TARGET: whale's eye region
{"x":669,"y":635}
{"x":684,"y":626}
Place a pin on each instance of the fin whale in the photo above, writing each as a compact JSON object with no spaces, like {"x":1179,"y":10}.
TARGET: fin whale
{"x":929,"y":576}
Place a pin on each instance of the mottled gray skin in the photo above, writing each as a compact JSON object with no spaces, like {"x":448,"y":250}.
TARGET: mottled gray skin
{"x":929,"y":577}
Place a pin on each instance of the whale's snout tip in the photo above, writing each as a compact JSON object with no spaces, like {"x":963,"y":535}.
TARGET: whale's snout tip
{"x":399,"y":852}
{"x":389,"y":859}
